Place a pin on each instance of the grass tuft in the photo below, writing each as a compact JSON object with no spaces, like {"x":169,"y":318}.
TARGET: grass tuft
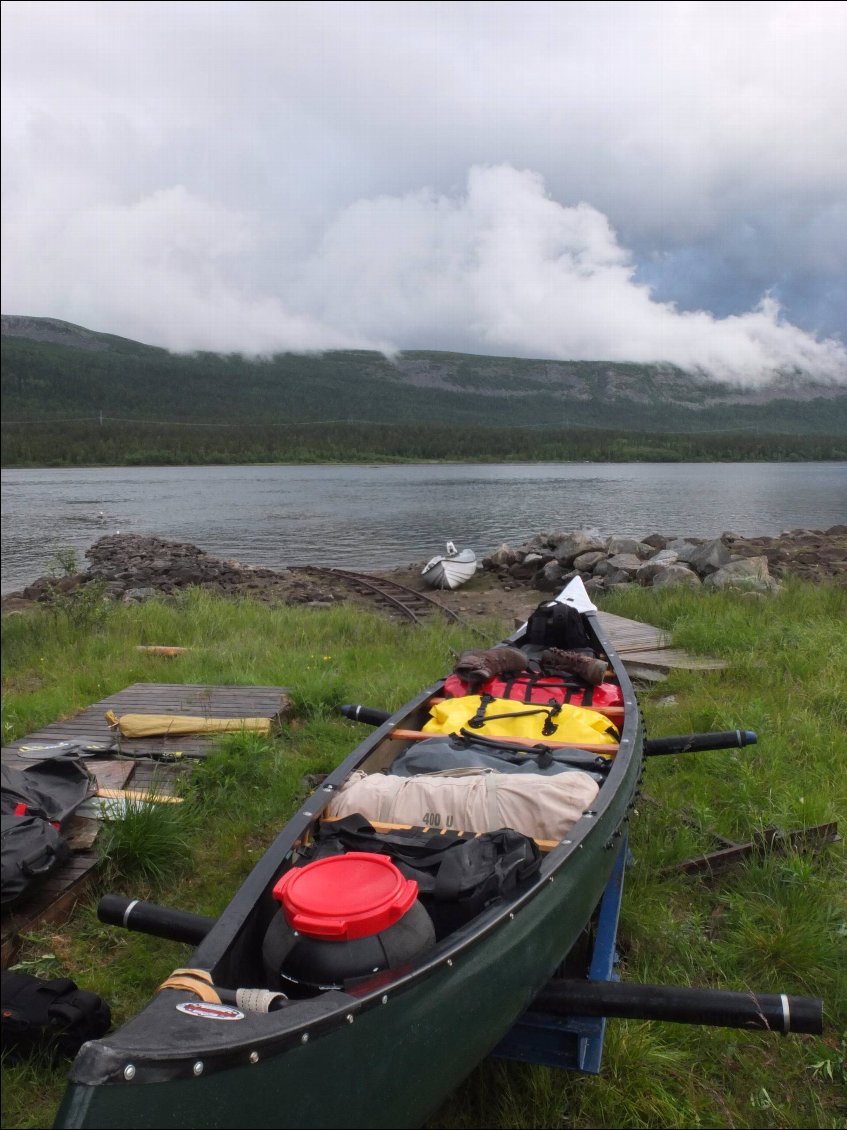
{"x":144,"y":840}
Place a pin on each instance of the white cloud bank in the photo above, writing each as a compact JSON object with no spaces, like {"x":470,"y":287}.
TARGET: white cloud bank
{"x":517,"y":272}
{"x":497,"y":268}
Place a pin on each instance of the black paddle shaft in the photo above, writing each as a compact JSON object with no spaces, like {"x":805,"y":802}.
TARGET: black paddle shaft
{"x":775,"y":1012}
{"x":367,"y":714}
{"x":691,"y":743}
{"x":148,"y":918}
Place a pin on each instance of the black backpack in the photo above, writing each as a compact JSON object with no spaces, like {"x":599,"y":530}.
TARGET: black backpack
{"x":53,"y":1016}
{"x":35,"y":803}
{"x":31,"y":849}
{"x":52,"y":789}
{"x":554,"y":624}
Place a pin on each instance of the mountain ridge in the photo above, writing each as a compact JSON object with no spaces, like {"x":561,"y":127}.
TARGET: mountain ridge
{"x":53,"y":369}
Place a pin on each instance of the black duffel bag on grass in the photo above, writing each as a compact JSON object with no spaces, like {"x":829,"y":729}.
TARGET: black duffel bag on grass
{"x":31,"y":849}
{"x":49,"y":1016}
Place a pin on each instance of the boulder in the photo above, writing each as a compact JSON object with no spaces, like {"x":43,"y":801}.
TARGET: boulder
{"x":576,"y":543}
{"x":650,"y":568}
{"x":675,"y":575}
{"x":683,"y":548}
{"x":618,"y":545}
{"x":627,"y":562}
{"x":550,"y":578}
{"x":710,"y":557}
{"x":749,"y":574}
{"x":586,"y":561}
{"x":503,"y":556}
{"x":525,"y":570}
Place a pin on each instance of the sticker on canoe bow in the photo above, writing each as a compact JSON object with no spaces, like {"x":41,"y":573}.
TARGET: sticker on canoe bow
{"x":210,"y":1011}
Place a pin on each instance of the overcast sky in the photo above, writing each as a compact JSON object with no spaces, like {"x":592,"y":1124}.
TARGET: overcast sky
{"x":614,"y":181}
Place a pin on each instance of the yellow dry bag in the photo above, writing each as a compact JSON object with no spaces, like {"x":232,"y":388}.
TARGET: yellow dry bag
{"x":507,"y":718}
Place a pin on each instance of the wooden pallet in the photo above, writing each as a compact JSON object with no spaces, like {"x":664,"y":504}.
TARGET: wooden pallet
{"x":161,"y":698}
{"x":55,"y":899}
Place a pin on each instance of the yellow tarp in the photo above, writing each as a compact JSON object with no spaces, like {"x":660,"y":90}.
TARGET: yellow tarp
{"x":153,"y":725}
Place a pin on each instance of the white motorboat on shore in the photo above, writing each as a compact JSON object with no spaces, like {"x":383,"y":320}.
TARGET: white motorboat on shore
{"x":450,"y":570}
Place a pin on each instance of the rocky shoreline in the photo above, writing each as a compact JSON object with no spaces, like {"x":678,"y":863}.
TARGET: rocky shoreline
{"x":133,"y":568}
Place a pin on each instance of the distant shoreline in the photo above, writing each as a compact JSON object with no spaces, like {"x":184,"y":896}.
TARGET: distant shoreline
{"x":401,"y":462}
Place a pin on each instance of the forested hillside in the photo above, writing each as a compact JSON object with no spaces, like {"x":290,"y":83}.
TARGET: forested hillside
{"x":73,"y":395}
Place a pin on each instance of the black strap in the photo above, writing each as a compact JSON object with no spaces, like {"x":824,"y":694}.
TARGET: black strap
{"x":481,"y":717}
{"x":537,"y":680}
{"x":580,"y":759}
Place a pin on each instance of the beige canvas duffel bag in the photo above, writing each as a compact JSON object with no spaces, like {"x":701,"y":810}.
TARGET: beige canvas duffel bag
{"x":470,"y":800}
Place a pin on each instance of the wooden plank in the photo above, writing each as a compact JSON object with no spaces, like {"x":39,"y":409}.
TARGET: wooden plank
{"x":138,"y":794}
{"x":628,"y":635}
{"x":645,"y":649}
{"x":666,"y":658}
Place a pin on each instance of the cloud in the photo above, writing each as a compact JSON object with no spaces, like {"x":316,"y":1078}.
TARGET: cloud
{"x":509,"y":270}
{"x":498,"y":268}
{"x":159,"y":271}
{"x":254,"y":176}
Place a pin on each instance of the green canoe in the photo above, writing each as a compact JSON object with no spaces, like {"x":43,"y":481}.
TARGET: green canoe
{"x":378,"y":1050}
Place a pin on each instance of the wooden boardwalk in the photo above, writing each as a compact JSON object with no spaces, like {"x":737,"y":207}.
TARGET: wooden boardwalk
{"x":135,"y":764}
{"x":647,"y":652}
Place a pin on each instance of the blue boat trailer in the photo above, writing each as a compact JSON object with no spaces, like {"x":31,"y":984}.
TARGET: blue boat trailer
{"x":574,"y":1043}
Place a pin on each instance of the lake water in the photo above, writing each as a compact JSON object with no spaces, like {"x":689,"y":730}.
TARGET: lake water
{"x":375,"y":517}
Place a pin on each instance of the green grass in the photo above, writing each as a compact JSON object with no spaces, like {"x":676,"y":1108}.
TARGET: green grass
{"x":144,"y":840}
{"x":773,"y":923}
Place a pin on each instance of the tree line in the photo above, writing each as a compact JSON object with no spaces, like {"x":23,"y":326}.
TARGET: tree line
{"x":132,"y":443}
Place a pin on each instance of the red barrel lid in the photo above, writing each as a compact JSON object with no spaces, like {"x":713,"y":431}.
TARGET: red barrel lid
{"x":345,"y":896}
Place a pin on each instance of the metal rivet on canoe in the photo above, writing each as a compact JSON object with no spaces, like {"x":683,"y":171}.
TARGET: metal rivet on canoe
{"x":198,"y":1067}
{"x":308,"y":814}
{"x":254,"y":1057}
{"x":304,"y":1039}
{"x":129,"y":1071}
{"x":350,"y":1017}
{"x":511,"y":916}
{"x":385,"y":1000}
